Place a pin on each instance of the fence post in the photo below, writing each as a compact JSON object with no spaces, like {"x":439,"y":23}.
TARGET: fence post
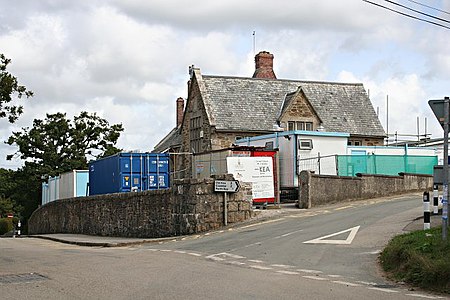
{"x":18,"y":228}
{"x":318,"y":160}
{"x":435,"y":199}
{"x":336,"y":162}
{"x":426,"y":210}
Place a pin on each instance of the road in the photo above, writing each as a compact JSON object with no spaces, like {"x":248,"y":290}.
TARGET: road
{"x":324,"y":253}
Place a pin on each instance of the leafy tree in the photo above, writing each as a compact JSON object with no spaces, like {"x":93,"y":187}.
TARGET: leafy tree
{"x":52,"y":146}
{"x":56,"y":144}
{"x":8,"y":187}
{"x":9,"y":86}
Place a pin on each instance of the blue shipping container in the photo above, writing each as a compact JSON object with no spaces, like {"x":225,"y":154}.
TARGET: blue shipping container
{"x":126,"y":172}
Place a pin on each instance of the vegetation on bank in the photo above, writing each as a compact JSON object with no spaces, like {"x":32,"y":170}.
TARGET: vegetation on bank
{"x":419,"y":258}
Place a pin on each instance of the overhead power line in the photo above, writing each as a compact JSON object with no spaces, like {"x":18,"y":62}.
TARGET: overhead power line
{"x":417,"y":11}
{"x":407,"y":15}
{"x":430,"y":7}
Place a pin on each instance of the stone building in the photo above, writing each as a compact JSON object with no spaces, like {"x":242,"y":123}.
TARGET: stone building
{"x":221,"y":109}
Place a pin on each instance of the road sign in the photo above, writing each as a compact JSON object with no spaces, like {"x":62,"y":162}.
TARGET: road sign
{"x":227,"y":186}
{"x":437,"y":106}
{"x":441,"y":110}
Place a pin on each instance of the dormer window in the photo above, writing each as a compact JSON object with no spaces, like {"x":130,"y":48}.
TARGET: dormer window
{"x":300,"y":125}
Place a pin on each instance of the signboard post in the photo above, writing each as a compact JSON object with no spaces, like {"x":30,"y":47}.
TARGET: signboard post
{"x":442,"y":112}
{"x":226,"y":186}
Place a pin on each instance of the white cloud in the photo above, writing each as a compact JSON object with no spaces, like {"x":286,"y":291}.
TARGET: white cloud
{"x":128,"y":60}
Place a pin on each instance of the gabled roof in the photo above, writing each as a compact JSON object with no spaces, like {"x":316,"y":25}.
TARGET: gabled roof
{"x":253,"y":104}
{"x":171,"y":140}
{"x":288,"y":100}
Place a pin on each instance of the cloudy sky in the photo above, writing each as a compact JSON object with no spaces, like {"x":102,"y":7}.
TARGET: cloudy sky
{"x":128,"y":60}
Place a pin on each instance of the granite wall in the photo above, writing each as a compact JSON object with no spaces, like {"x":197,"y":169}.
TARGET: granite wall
{"x":190,"y":206}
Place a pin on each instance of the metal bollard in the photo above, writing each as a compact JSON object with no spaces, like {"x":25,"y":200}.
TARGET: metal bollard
{"x":435,"y":200}
{"x":426,"y":210}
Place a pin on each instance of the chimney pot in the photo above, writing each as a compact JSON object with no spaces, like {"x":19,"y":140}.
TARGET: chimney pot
{"x":264,"y":66}
{"x":180,"y":111}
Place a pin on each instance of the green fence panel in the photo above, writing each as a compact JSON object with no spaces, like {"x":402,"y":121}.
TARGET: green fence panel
{"x":350,"y":165}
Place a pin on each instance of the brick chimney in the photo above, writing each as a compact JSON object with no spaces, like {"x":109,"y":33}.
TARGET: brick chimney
{"x":180,"y":111}
{"x":264,"y":66}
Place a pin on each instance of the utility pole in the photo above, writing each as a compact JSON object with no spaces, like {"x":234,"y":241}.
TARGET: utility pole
{"x":445,"y":198}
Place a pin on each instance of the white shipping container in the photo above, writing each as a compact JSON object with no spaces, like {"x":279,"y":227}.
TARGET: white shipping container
{"x":67,"y":185}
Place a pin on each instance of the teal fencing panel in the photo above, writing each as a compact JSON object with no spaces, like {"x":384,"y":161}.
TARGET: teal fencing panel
{"x":350,"y":165}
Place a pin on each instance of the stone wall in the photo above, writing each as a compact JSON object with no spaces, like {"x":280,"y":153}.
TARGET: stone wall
{"x":190,"y":206}
{"x":322,"y":189}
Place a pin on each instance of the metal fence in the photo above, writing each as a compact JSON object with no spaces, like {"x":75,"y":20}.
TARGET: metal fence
{"x":320,"y":164}
{"x":350,"y":165}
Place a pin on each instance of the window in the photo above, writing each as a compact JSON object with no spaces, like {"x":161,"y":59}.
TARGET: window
{"x":304,"y":144}
{"x":309,"y":126}
{"x":196,"y":133}
{"x":291,"y":126}
{"x":300,"y":125}
{"x":269,"y":146}
{"x":354,"y":143}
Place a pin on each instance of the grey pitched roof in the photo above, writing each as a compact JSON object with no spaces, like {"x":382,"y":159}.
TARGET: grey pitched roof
{"x":171,"y":140}
{"x":251,"y":104}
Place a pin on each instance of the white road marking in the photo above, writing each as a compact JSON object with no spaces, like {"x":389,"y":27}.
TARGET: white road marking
{"x":372,"y":252}
{"x":281,"y":266}
{"x":181,"y":252}
{"x":260,"y":267}
{"x":424,"y":296}
{"x":288,"y":234}
{"x":255,"y":260}
{"x":215,"y":258}
{"x":154,"y":250}
{"x":346,"y":283}
{"x":194,"y":254}
{"x":344,"y":207}
{"x":230,"y":255}
{"x":334,"y":276}
{"x":262,"y":223}
{"x":382,"y":290}
{"x":310,"y":271}
{"x":315,"y":277}
{"x":165,"y":250}
{"x":367,"y":283}
{"x":254,"y":244}
{"x":233,"y":262}
{"x":288,"y":272}
{"x":348,"y":241}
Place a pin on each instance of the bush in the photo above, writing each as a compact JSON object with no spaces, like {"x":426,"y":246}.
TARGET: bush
{"x":420,"y":258}
{"x":6,"y":225}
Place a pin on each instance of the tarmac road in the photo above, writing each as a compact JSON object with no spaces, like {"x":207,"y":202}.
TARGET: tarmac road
{"x":324,"y":253}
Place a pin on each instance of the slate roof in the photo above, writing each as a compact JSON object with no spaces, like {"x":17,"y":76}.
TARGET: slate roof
{"x":253,"y":104}
{"x":172,"y":139}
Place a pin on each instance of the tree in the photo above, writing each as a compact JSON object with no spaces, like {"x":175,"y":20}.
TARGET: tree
{"x":9,"y":86}
{"x":52,"y":146}
{"x":56,"y":144}
{"x":8,"y":187}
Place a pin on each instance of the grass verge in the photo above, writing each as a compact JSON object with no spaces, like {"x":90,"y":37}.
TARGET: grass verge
{"x":420,"y":258}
